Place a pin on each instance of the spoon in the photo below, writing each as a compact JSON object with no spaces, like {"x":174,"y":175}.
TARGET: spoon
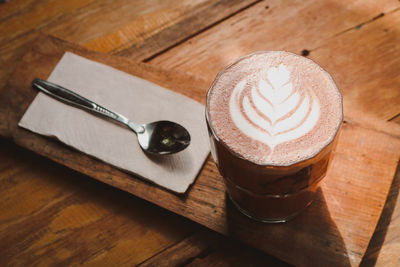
{"x":157,"y":138}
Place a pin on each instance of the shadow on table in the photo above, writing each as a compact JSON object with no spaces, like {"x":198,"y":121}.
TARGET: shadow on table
{"x":312,"y":238}
{"x":376,"y":243}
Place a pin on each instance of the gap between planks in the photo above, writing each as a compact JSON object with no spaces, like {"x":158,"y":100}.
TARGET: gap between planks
{"x":200,"y":236}
{"x":149,"y":58}
{"x":395,"y":118}
{"x":306,"y":52}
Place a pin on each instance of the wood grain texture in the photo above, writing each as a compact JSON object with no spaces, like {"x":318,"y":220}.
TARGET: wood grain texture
{"x":143,"y":27}
{"x":354,"y":42}
{"x":88,"y":24}
{"x":371,"y":83}
{"x":189,"y":23}
{"x":207,"y":248}
{"x":183,"y":252}
{"x":347,"y":207}
{"x":391,"y":245}
{"x":385,"y":243}
{"x":52,"y":215}
{"x":396,"y":119}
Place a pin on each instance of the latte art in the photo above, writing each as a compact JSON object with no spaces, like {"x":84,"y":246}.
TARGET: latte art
{"x":274,"y":108}
{"x":273,"y":112}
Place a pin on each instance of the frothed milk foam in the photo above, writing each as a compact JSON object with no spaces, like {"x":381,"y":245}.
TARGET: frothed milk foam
{"x":274,"y":108}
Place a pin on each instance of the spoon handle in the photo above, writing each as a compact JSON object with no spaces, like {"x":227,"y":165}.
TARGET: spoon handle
{"x":79,"y":101}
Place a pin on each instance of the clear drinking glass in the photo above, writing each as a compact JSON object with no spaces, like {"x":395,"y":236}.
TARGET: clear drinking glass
{"x":268,"y":193}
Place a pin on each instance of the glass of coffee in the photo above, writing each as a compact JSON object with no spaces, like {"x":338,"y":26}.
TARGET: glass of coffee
{"x":273,"y":118}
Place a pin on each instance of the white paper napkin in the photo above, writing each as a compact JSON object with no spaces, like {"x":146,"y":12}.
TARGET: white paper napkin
{"x":139,"y":100}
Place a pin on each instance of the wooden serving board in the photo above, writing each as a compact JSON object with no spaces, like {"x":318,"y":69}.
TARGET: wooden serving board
{"x":334,"y":230}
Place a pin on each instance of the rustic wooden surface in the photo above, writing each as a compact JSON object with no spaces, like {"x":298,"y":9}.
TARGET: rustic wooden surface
{"x":342,"y":35}
{"x":354,"y":42}
{"x":142,"y":27}
{"x":347,"y":208}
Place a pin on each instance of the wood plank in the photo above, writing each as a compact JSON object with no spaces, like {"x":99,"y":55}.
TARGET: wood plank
{"x":184,"y":251}
{"x":396,"y":119}
{"x":207,"y":248}
{"x":385,"y":243}
{"x":14,"y":8}
{"x":20,"y":21}
{"x":106,"y":25}
{"x":347,"y":207}
{"x":391,"y":246}
{"x":371,"y":83}
{"x":335,"y":32}
{"x":51,"y":214}
{"x":190,"y":25}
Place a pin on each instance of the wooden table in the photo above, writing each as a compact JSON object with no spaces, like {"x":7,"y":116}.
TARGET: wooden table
{"x":52,"y":215}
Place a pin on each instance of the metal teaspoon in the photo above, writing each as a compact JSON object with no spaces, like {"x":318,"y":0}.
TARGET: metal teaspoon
{"x":157,"y":138}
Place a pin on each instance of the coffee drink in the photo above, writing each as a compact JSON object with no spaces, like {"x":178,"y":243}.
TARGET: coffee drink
{"x":273,"y":118}
{"x":275,"y":108}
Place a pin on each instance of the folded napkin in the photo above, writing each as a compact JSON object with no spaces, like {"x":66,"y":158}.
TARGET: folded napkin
{"x":139,"y":100}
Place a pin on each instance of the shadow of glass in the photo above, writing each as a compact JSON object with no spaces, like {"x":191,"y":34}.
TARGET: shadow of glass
{"x":377,"y":240}
{"x":311,"y":238}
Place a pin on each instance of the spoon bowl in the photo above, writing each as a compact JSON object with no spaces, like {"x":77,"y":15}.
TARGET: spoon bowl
{"x":163,"y":137}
